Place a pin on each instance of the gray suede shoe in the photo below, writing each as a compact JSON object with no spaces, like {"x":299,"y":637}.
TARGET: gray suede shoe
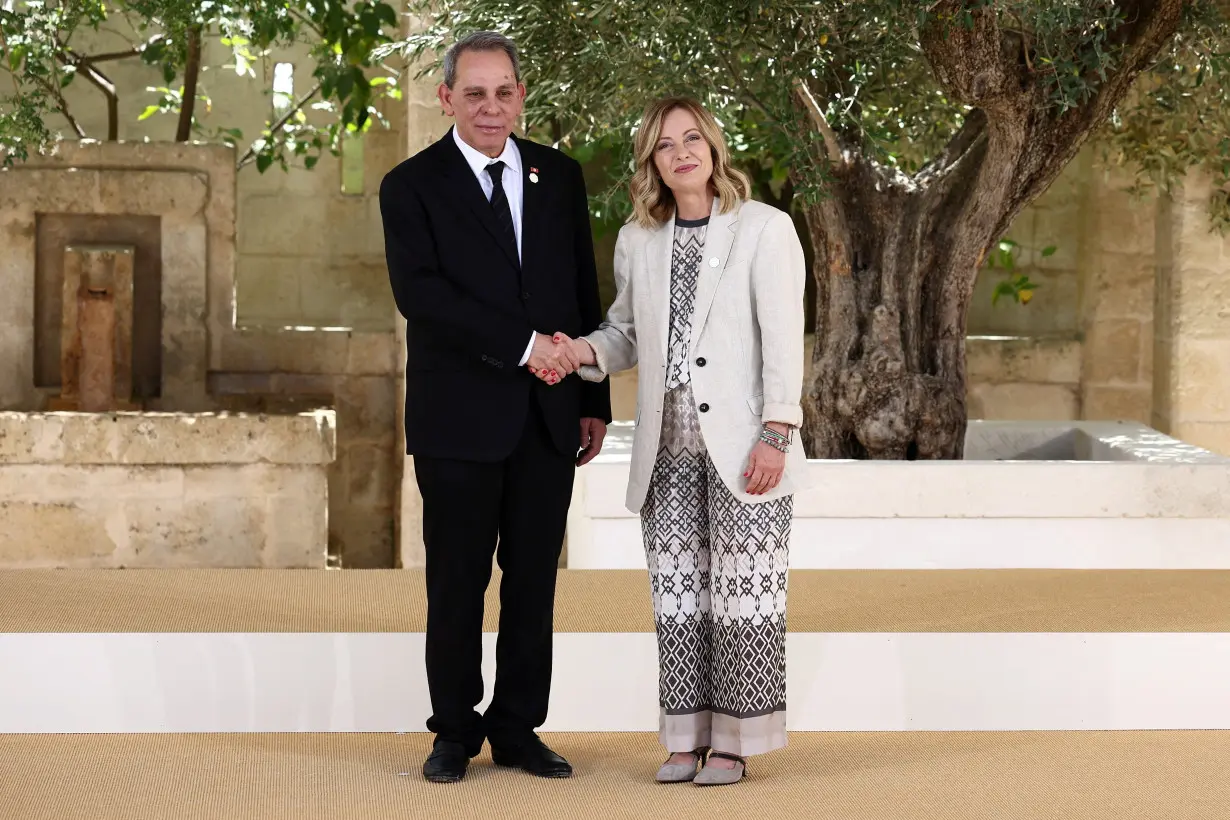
{"x":682,"y":772}
{"x":713,"y":776}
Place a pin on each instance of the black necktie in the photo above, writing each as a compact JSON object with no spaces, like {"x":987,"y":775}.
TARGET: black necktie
{"x":499,"y":203}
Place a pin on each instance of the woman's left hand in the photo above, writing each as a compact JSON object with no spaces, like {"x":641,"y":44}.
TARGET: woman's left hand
{"x":764,"y":468}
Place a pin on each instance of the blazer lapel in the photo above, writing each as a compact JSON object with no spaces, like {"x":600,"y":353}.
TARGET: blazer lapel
{"x":658,"y":256}
{"x":718,"y":240}
{"x":464,"y":189}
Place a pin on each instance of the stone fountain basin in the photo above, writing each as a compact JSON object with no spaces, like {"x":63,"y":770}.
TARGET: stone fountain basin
{"x":141,"y":489}
{"x":1030,"y":495}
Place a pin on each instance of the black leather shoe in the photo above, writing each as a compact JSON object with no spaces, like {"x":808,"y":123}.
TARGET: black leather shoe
{"x":532,"y":756}
{"x":447,"y":762}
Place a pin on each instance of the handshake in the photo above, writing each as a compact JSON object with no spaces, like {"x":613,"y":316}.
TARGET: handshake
{"x":556,"y":356}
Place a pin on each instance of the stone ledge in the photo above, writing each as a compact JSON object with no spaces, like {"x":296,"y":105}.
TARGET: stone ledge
{"x":105,"y":191}
{"x":89,"y":515}
{"x":167,"y":438}
{"x":1040,"y":359}
{"x":1023,"y":470}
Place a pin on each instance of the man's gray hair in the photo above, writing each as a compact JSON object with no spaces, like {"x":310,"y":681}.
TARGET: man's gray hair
{"x":480,"y":41}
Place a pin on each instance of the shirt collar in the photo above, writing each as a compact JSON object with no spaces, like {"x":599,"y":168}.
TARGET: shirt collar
{"x":477,"y":160}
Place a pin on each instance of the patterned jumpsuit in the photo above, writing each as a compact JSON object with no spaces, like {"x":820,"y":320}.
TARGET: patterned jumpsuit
{"x":718,"y":567}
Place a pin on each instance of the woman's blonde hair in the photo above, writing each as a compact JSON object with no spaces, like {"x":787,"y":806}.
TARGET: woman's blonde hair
{"x":652,"y":202}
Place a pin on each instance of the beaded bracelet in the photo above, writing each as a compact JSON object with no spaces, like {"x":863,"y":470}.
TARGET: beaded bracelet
{"x":775,"y":439}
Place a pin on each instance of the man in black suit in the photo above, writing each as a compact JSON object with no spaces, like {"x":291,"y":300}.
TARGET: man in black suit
{"x":488,"y":242}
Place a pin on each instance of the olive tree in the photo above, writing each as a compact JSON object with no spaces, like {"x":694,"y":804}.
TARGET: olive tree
{"x":911,"y":134}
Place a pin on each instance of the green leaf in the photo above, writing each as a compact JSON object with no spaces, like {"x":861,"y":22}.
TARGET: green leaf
{"x":310,"y":162}
{"x":345,"y":84}
{"x":150,"y":110}
{"x":1049,"y":251}
{"x":387,"y":14}
{"x":263,"y":161}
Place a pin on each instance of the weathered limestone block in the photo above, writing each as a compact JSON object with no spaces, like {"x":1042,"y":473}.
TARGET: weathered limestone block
{"x":1036,"y":361}
{"x":53,"y":533}
{"x":1115,"y":351}
{"x":164,"y":489}
{"x":1024,"y":402}
{"x":1191,"y":366}
{"x":1119,"y":403}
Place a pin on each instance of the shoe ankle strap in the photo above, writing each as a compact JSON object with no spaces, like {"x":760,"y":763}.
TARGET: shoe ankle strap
{"x":726,"y":756}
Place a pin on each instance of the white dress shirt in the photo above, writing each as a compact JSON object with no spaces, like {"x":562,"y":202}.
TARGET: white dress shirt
{"x":513,"y":186}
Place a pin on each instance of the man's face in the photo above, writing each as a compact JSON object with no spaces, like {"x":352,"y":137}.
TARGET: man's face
{"x":485,"y":99}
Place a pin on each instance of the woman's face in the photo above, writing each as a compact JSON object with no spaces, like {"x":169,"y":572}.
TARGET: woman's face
{"x":682,"y":156}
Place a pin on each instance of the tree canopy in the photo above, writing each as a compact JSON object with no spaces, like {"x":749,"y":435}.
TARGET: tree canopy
{"x":40,"y":52}
{"x":593,"y":64}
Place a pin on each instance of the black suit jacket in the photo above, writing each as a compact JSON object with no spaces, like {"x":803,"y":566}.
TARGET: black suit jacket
{"x":471,"y":308}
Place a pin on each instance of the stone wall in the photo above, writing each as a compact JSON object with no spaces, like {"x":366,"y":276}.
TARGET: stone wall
{"x":1191,"y":396}
{"x":307,"y":255}
{"x":350,"y":371}
{"x":1054,"y":220}
{"x":164,"y":490}
{"x":207,"y":361}
{"x":304,"y":255}
{"x":1119,"y":266}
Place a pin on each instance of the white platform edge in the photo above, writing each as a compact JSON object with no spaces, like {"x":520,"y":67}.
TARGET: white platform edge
{"x":323,"y":682}
{"x":1144,"y":475}
{"x":954,"y":543}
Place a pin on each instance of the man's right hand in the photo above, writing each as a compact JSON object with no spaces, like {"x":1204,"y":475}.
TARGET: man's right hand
{"x":550,"y":361}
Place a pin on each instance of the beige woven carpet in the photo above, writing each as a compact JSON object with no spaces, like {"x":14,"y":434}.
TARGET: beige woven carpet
{"x":614,"y":601}
{"x":912,"y":776}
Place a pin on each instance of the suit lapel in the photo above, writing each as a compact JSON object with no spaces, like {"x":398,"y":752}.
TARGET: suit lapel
{"x":533,"y":196}
{"x":718,"y":240}
{"x":658,"y":256}
{"x":464,"y":189}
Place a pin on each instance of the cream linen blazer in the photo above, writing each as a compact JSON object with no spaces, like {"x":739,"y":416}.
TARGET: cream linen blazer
{"x":746,"y":351}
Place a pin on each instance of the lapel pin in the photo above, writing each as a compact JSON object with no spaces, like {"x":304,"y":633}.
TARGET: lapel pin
{"x":713,"y":261}
{"x":533,"y":175}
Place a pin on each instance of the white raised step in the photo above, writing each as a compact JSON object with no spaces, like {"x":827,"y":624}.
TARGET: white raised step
{"x":117,"y":651}
{"x":1075,"y":495}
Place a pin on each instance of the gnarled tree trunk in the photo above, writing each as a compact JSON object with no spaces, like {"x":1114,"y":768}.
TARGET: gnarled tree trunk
{"x":896,"y":257}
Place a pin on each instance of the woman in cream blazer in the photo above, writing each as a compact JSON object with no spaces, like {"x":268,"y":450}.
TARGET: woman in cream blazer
{"x":709,"y":308}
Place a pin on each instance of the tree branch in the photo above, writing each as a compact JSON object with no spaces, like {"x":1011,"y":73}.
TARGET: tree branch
{"x":54,"y":88}
{"x":307,"y":21}
{"x":192,"y":71}
{"x":816,"y":116}
{"x":977,"y":65}
{"x":135,"y":51}
{"x":739,"y":77}
{"x":277,"y":126}
{"x":1059,"y":137}
{"x":973,"y":129}
{"x":70,"y":57}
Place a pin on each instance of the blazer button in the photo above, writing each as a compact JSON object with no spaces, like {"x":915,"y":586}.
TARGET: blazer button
{"x":525,"y":295}
{"x":700,"y":362}
{"x":704,"y":408}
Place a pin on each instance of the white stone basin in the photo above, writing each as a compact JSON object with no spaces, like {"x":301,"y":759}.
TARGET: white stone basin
{"x":1061,"y":495}
{"x":137,"y":489}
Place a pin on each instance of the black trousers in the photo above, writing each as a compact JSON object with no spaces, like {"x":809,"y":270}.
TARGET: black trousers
{"x":521,"y":504}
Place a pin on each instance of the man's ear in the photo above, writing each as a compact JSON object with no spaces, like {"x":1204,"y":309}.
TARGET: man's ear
{"x":446,"y":98}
